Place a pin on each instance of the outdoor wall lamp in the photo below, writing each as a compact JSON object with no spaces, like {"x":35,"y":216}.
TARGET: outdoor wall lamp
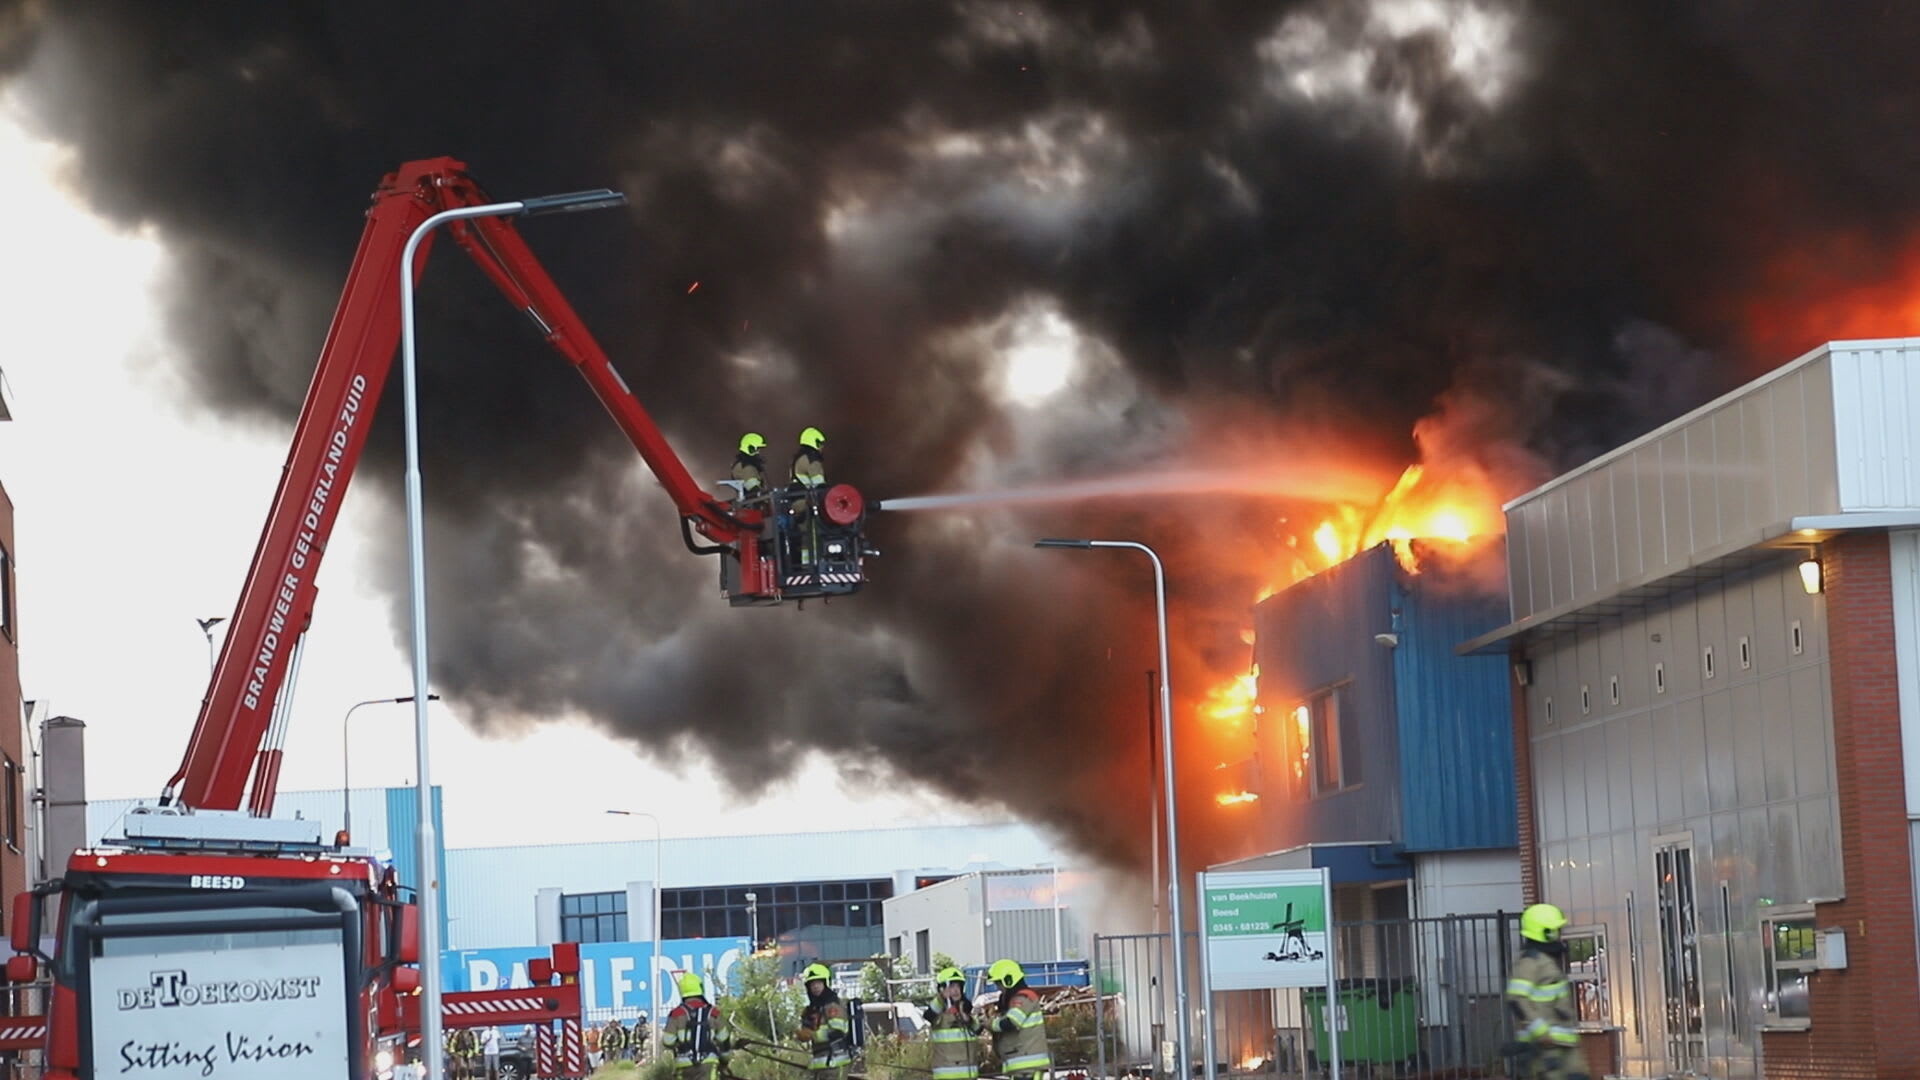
{"x":1810,"y":577}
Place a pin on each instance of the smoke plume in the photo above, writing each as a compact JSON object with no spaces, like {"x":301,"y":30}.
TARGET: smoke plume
{"x":1245,"y":225}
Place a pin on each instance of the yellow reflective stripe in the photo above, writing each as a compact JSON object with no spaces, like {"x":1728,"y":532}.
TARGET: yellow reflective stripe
{"x":955,"y":1072}
{"x":1028,"y":1061}
{"x":1520,"y":988}
{"x":1566,"y":1036}
{"x":951,"y":1035}
{"x":1536,"y":1029}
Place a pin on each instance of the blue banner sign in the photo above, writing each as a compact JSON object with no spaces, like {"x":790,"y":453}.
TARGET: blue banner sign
{"x":613,"y":974}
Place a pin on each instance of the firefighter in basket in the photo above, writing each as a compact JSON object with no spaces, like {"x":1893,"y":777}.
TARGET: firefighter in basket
{"x":956,"y":1031}
{"x":696,"y":1033}
{"x":750,"y":466}
{"x":1020,"y":1032}
{"x":824,"y":1026}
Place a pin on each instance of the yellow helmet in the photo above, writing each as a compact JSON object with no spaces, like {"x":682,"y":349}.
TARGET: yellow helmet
{"x":813,"y":437}
{"x":950,"y":975}
{"x":752,"y":443}
{"x":1542,"y":923}
{"x":691,"y":986}
{"x":1005,"y":974}
{"x":816,"y":971}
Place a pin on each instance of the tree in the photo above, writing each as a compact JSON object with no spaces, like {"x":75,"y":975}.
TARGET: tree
{"x":877,"y":974}
{"x":766,"y":1005}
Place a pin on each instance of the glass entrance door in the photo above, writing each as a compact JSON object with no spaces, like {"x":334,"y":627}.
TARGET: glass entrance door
{"x":1679,"y":954}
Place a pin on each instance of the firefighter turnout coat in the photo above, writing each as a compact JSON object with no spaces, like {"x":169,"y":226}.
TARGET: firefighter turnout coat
{"x":829,"y":1035}
{"x":1541,"y":1000}
{"x":955,"y":1051}
{"x":696,"y":1033}
{"x":1020,"y":1034}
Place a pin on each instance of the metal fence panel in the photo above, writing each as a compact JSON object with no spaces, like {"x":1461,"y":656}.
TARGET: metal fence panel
{"x":1415,"y":998}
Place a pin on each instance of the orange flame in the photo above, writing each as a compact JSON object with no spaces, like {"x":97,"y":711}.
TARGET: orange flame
{"x":1235,"y":798}
{"x":1432,"y":500}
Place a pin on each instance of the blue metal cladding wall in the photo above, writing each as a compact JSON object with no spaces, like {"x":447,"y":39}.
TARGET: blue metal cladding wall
{"x":403,"y":813}
{"x":1454,"y":716}
{"x":1315,"y":634}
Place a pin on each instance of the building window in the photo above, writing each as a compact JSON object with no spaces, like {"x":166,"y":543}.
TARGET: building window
{"x":6,"y":593}
{"x":13,"y":775}
{"x":1587,"y":971}
{"x":1319,"y":761}
{"x":794,"y":910}
{"x":923,"y":950}
{"x":593,"y":917}
{"x":1791,"y":958}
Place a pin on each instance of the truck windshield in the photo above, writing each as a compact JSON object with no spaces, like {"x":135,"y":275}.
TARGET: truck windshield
{"x":213,"y":940}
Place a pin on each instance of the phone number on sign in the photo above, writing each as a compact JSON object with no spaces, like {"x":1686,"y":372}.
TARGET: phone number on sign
{"x":1238,"y":927}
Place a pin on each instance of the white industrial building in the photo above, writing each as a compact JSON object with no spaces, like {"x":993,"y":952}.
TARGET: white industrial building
{"x":815,"y":895}
{"x":977,"y":918}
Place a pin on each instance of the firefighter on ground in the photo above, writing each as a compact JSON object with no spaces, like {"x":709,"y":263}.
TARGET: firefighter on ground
{"x":696,"y":1032}
{"x":613,"y":1041}
{"x":1020,"y":1033}
{"x":955,"y":1028}
{"x":824,"y":1026}
{"x":809,"y":483}
{"x":1541,"y":1000}
{"x":750,"y":465}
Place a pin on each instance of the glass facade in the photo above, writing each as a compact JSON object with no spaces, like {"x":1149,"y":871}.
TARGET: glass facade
{"x":592,"y":917}
{"x":817,"y":919}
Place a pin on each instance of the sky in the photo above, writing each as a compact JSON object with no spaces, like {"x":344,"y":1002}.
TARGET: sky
{"x":137,"y":512}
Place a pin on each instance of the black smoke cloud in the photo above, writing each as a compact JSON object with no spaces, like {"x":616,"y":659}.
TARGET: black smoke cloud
{"x":1319,"y":216}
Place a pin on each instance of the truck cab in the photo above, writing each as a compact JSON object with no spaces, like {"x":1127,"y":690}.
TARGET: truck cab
{"x":219,"y":944}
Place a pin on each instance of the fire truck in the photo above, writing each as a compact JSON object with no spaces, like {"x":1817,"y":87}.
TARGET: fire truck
{"x":214,"y":940}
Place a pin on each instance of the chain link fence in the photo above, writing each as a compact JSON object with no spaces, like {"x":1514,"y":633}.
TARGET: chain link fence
{"x":1414,"y":998}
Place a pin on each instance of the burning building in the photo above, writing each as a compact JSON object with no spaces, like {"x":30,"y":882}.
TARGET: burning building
{"x":1715,"y":648}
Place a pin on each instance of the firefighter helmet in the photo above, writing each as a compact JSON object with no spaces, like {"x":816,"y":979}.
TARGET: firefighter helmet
{"x":1005,"y":974}
{"x":949,"y":975}
{"x":813,"y":437}
{"x":816,"y":971}
{"x":752,"y":443}
{"x":691,"y":986}
{"x":1542,"y":923}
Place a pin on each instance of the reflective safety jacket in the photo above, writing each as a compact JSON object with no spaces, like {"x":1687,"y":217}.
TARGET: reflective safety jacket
{"x":832,"y":1042}
{"x":1020,"y":1034}
{"x":1541,"y":1001}
{"x":749,"y":469}
{"x":809,"y":468}
{"x":955,"y":1051}
{"x":613,"y":1037}
{"x":697,"y":1033}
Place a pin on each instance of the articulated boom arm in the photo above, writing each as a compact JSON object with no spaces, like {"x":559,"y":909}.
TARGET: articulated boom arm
{"x":240,"y":729}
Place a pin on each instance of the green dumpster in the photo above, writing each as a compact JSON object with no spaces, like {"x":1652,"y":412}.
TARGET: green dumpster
{"x":1378,"y":1019}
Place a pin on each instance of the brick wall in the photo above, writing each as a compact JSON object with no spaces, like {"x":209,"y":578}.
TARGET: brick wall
{"x":1523,"y":793}
{"x":1866,"y":1019}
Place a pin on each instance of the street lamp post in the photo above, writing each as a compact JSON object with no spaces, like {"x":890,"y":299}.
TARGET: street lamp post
{"x":653,"y":975}
{"x":1177,"y":929}
{"x":346,"y":762}
{"x":753,"y":920}
{"x":429,"y":886}
{"x":206,"y":627}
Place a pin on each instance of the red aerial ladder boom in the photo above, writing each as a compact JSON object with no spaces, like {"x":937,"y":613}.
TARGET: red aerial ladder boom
{"x":242,"y":724}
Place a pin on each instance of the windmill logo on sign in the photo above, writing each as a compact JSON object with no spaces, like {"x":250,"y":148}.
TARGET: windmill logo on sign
{"x":1295,"y":949}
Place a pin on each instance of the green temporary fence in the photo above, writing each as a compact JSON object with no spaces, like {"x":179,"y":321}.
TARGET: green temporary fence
{"x":1379,"y":1020}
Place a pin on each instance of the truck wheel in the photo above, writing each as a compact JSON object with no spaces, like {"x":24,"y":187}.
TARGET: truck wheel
{"x":510,"y":1070}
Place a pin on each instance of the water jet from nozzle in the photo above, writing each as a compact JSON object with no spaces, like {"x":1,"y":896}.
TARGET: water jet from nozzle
{"x":1315,"y":484}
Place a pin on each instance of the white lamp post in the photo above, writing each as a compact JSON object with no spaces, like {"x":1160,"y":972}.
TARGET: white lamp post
{"x":653,"y":976}
{"x":429,"y":886}
{"x":1178,"y":928}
